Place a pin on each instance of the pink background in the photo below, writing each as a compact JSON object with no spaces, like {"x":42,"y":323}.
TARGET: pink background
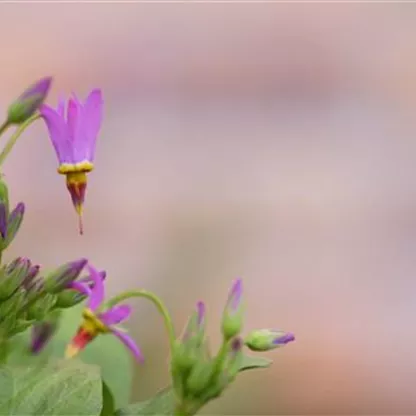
{"x":275,"y":142}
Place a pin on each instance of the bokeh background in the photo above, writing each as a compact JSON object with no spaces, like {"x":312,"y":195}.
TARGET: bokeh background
{"x":275,"y":142}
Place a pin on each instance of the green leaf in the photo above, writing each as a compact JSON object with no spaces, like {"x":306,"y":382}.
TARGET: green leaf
{"x":108,"y":401}
{"x":106,"y":351}
{"x":163,"y":403}
{"x":251,"y":363}
{"x":61,"y":388}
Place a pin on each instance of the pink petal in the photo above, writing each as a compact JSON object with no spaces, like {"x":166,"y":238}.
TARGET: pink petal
{"x":130,"y":344}
{"x":61,"y":108}
{"x":115,"y":315}
{"x":58,"y":133}
{"x":97,"y":292}
{"x":92,"y":118}
{"x":73,"y":113}
{"x":80,"y":287}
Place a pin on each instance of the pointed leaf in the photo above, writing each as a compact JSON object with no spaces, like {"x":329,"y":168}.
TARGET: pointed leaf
{"x":251,"y":363}
{"x":59,"y":388}
{"x":105,"y":351}
{"x":163,"y":403}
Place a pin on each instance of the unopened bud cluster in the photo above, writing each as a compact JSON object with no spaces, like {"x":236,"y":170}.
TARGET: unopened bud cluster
{"x":29,"y":297}
{"x":198,"y":377}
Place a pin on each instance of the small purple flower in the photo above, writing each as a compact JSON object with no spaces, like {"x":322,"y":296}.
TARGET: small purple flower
{"x":96,"y":321}
{"x":268,"y":339}
{"x":41,"y":334}
{"x":232,"y":319}
{"x":29,"y":102}
{"x":74,"y":135}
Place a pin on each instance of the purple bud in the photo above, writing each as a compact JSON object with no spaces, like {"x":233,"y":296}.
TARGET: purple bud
{"x":31,"y":274}
{"x":40,"y":87}
{"x":284,"y":339}
{"x":235,"y":295}
{"x":13,"y":223}
{"x":268,"y":339}
{"x":19,"y":210}
{"x":64,"y":275}
{"x":29,"y":102}
{"x":232,"y":318}
{"x":14,"y":275}
{"x":3,"y":220}
{"x":41,"y":334}
{"x":200,"y":306}
{"x":195,"y":328}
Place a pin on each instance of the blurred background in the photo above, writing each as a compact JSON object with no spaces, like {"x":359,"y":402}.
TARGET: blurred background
{"x":273,"y":142}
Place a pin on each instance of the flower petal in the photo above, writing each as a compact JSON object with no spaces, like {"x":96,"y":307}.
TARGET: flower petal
{"x":58,"y":133}
{"x":72,"y":116}
{"x":91,"y":121}
{"x":61,"y":108}
{"x":97,"y":292}
{"x":80,"y":287}
{"x":115,"y":315}
{"x":130,"y":344}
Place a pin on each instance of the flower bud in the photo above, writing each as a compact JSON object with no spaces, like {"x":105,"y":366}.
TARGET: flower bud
{"x":3,"y":221}
{"x":268,"y":339}
{"x":31,"y":274}
{"x":188,"y":348}
{"x":195,"y":328}
{"x":4,"y":193}
{"x":13,"y":276}
{"x":38,"y":308}
{"x":42,"y":333}
{"x":69,"y":298}
{"x":29,"y":102}
{"x":14,"y":222}
{"x":59,"y":280}
{"x":232,"y":319}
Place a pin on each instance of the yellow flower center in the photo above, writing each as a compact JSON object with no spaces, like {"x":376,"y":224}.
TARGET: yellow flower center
{"x":69,"y":168}
{"x":92,"y":324}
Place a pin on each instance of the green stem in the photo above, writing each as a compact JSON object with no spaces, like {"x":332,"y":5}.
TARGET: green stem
{"x":220,"y":358}
{"x":13,"y":139}
{"x":4,"y":127}
{"x":155,"y":300}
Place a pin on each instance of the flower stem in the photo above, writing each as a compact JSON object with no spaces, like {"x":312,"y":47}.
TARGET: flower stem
{"x":220,"y":358}
{"x":155,"y":300}
{"x":4,"y":127}
{"x":13,"y":139}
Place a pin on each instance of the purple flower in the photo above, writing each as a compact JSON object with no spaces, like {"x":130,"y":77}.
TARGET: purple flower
{"x":41,"y":334}
{"x":74,"y":135}
{"x":97,"y":321}
{"x":29,"y":102}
